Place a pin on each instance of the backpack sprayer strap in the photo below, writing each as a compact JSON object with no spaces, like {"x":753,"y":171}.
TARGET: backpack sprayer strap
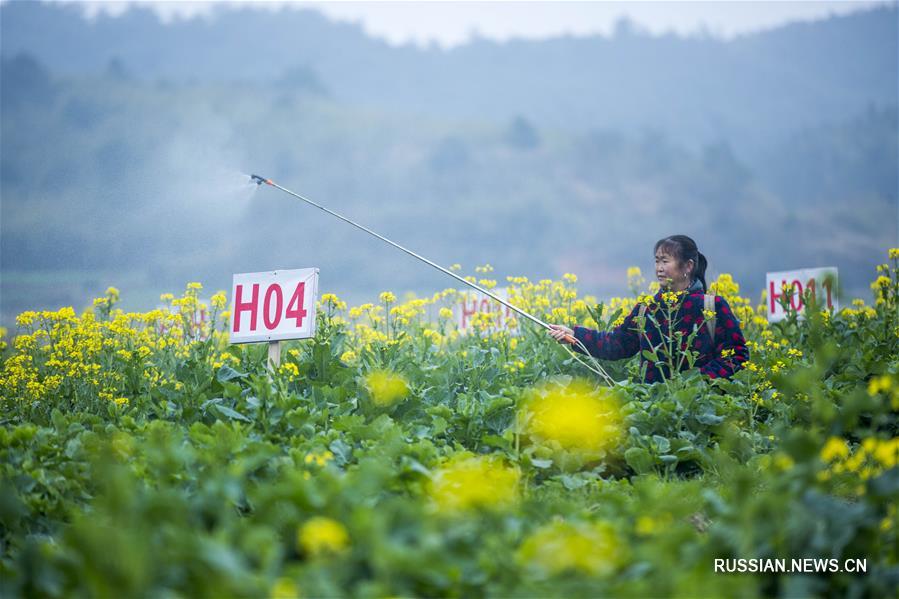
{"x":709,"y":306}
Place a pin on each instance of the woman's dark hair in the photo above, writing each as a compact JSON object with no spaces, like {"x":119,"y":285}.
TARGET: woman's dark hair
{"x":683,"y":249}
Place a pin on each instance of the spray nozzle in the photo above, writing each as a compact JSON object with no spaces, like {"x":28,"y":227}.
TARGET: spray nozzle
{"x":258,"y":180}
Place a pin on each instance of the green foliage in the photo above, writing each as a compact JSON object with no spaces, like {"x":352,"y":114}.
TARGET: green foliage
{"x":209,"y":488}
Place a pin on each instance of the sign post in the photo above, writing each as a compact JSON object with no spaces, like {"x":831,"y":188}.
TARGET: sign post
{"x":273,"y":306}
{"x":274,"y":355}
{"x":820,"y":282}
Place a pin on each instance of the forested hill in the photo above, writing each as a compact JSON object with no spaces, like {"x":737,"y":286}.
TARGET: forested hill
{"x":122,"y":138}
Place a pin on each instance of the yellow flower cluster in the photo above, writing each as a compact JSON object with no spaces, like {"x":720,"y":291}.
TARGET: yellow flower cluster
{"x":467,"y":481}
{"x":593,"y":548}
{"x":886,"y":385}
{"x":332,"y":302}
{"x":870,"y":458}
{"x":322,"y":536}
{"x":289,"y":369}
{"x":574,"y":417}
{"x":625,"y":305}
{"x":219,"y":300}
{"x":515,"y":366}
{"x":110,"y":357}
{"x":433,"y":335}
{"x":835,"y":449}
{"x":727,"y":288}
{"x":650,"y":525}
{"x":635,"y":280}
{"x":319,"y":459}
{"x":671,"y":297}
{"x":284,"y":588}
{"x":386,"y":388}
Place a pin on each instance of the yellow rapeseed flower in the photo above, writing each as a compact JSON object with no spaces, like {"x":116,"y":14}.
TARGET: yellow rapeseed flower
{"x":218,"y":300}
{"x":321,"y":536}
{"x":880,"y":282}
{"x":319,"y":459}
{"x":387,"y":297}
{"x":879,"y":383}
{"x":468,"y":481}
{"x":289,"y":369}
{"x":894,"y":253}
{"x":671,"y":297}
{"x":644,"y":299}
{"x":835,"y":449}
{"x":386,"y":388}
{"x":886,"y":452}
{"x":649,"y":525}
{"x":284,"y":588}
{"x":635,"y":280}
{"x":576,"y":416}
{"x":589,"y":548}
{"x":348,"y":356}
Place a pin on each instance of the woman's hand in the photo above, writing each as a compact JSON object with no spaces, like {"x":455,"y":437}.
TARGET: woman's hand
{"x":561,"y":333}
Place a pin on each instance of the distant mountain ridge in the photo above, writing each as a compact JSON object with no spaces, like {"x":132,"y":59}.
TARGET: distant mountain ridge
{"x":745,"y":89}
{"x":123,"y":141}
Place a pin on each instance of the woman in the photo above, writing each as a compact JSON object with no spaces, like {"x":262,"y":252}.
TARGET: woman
{"x":718,"y":342}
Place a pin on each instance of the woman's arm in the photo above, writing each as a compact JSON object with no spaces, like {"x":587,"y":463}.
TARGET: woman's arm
{"x":730,"y":351}
{"x":621,"y":342}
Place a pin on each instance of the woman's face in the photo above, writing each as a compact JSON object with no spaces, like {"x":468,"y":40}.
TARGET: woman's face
{"x":671,"y":274}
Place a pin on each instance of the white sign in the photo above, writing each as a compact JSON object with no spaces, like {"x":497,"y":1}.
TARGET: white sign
{"x":273,"y":305}
{"x":820,"y":282}
{"x":474,"y":302}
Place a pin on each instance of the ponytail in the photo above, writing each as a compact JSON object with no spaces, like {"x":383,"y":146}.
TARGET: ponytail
{"x":699,"y":271}
{"x":684,"y":249}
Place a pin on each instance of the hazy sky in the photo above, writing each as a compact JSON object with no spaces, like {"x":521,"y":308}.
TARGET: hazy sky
{"x":452,"y":23}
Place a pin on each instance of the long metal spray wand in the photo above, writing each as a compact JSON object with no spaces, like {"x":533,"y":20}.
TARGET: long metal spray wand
{"x":595,"y":368}
{"x":260,"y":180}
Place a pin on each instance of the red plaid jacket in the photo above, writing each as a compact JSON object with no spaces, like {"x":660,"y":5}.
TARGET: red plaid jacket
{"x":721,"y":358}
